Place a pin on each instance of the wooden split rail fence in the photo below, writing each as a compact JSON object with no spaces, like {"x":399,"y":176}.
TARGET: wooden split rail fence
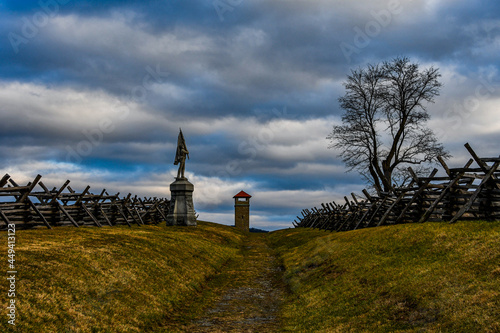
{"x":470,"y":192}
{"x":34,"y":205}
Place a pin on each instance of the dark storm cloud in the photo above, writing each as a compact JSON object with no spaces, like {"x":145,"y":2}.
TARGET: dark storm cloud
{"x":240,"y":68}
{"x":449,"y":33}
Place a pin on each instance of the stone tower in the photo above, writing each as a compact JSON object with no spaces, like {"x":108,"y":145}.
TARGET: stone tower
{"x":242,"y":211}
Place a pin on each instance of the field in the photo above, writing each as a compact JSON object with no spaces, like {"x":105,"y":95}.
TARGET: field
{"x":432,"y":277}
{"x":112,"y":279}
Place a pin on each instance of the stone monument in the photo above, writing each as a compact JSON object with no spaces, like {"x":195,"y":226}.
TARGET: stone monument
{"x":181,"y":199}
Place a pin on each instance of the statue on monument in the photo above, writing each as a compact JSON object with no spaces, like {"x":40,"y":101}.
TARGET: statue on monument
{"x":181,"y":210}
{"x":180,"y":155}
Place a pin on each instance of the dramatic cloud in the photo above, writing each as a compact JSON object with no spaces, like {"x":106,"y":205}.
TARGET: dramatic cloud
{"x":95,"y":92}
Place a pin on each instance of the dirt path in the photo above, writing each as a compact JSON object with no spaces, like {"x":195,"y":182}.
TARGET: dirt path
{"x":251,"y":299}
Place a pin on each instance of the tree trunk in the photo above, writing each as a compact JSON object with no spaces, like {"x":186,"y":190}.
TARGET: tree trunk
{"x":376,"y":182}
{"x":387,"y":175}
{"x":387,"y":180}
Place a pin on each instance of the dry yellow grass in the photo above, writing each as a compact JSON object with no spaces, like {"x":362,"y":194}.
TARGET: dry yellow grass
{"x":432,"y":277}
{"x":112,"y":279}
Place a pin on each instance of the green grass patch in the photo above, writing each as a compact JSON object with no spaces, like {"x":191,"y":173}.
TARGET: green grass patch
{"x":112,"y":279}
{"x":431,"y":277}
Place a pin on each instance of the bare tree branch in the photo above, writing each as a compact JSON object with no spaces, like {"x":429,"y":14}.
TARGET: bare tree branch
{"x":387,"y":100}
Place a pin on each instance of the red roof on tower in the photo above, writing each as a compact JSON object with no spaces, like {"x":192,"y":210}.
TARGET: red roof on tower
{"x":242,"y":195}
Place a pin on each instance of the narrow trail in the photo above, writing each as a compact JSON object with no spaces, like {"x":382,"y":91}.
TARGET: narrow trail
{"x":250,"y":301}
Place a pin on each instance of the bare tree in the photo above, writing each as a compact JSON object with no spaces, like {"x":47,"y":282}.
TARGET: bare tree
{"x":383,"y":127}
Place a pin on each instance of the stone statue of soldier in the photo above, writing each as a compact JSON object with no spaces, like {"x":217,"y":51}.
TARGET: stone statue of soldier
{"x":181,"y":211}
{"x":180,"y":155}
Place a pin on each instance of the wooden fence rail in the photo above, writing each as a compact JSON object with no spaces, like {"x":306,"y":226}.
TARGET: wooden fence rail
{"x":34,"y":205}
{"x":464,"y":193}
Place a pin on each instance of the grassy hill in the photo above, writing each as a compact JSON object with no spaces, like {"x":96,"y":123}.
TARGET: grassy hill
{"x":112,"y":279}
{"x":431,"y":277}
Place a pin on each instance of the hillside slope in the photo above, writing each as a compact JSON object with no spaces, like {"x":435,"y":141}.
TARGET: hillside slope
{"x":112,"y":279}
{"x":432,"y":277}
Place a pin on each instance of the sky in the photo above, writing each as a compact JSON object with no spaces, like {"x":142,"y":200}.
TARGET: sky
{"x":96,"y":91}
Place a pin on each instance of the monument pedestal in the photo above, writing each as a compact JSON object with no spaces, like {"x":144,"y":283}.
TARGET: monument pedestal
{"x":181,"y":203}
